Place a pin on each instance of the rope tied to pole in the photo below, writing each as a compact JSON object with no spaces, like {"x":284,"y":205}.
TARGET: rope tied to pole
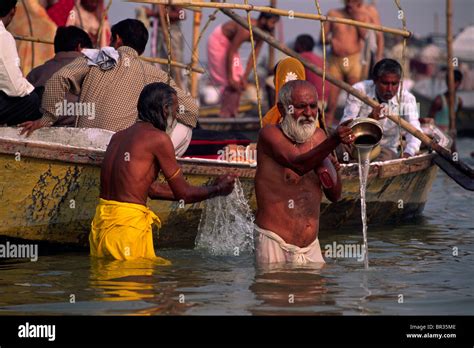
{"x":168,"y":24}
{"x":323,"y":36}
{"x":400,"y":93}
{"x":257,"y":85}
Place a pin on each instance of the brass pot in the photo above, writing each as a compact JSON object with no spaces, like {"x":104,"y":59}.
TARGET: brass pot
{"x":367,"y":131}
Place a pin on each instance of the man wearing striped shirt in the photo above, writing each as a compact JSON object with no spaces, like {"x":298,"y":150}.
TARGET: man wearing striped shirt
{"x":384,"y":88}
{"x":108,"y":96}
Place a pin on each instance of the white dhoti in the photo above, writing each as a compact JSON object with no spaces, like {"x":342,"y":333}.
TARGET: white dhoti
{"x":271,"y":248}
{"x":181,"y":138}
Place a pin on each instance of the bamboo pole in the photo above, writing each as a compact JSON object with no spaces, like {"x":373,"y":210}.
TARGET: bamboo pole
{"x":450,"y":66}
{"x":286,"y":13}
{"x":195,"y":56}
{"x":271,"y":49}
{"x":348,"y":88}
{"x":173,"y":63}
{"x":147,"y":59}
{"x":32,"y":39}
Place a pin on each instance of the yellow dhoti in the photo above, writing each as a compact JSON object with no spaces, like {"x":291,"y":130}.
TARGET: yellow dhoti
{"x":123,"y":231}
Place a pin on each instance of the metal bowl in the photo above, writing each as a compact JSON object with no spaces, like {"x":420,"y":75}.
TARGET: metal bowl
{"x":367,"y":131}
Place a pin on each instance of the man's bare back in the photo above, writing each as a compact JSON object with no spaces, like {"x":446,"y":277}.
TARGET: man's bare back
{"x":288,"y":203}
{"x":130,"y":163}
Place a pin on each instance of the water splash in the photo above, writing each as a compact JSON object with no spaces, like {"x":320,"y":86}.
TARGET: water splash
{"x":226,"y":226}
{"x":364,"y":161}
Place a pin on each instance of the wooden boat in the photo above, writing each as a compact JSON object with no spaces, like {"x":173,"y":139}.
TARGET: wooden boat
{"x":49,"y":188}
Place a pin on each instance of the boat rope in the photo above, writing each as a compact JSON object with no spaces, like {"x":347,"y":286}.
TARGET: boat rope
{"x":102,"y":23}
{"x":323,"y":37}
{"x":209,"y":20}
{"x":168,"y":24}
{"x":30,"y":24}
{"x":401,"y":15}
{"x":254,"y":58}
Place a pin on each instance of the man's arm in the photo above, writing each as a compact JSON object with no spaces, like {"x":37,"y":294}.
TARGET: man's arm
{"x":283,"y":152}
{"x":374,"y":15}
{"x":334,"y":193}
{"x":179,"y":189}
{"x":327,"y":30}
{"x":240,"y":36}
{"x":67,"y":79}
{"x":15,"y":85}
{"x":249,"y":67}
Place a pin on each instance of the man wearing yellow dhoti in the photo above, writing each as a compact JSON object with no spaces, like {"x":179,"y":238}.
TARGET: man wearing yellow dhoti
{"x":122,"y":226}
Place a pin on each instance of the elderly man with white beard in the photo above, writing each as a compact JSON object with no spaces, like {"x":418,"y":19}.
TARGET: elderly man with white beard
{"x":294,"y":168}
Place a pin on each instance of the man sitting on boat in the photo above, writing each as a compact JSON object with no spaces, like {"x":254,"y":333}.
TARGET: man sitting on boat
{"x":109,"y":83}
{"x":385,"y":88}
{"x":122,"y":226}
{"x":68,"y":44}
{"x":293,"y":163}
{"x":19,"y":102}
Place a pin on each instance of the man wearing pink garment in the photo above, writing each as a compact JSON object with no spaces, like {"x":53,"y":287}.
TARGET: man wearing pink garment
{"x":224,"y":62}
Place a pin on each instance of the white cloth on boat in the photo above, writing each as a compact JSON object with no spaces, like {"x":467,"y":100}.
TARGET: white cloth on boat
{"x":271,"y":248}
{"x":181,"y":138}
{"x":391,"y":132}
{"x":105,"y":58}
{"x":12,"y":81}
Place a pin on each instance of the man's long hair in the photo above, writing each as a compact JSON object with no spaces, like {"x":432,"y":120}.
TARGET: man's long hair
{"x":152,"y":102}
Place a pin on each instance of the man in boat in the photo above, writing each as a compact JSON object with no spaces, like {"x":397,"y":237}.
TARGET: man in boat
{"x":346,"y":45}
{"x":18,"y":100}
{"x":385,"y":88}
{"x":439,"y":109}
{"x":224,"y":62}
{"x":122,"y":226}
{"x":68,"y":44}
{"x":294,"y":163}
{"x":109,"y":83}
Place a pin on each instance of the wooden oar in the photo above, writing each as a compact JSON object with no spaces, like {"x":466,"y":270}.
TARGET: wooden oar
{"x":456,"y":169}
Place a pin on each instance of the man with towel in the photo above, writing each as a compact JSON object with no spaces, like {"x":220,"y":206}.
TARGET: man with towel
{"x":225,"y":66}
{"x":122,"y":226}
{"x":294,"y":168}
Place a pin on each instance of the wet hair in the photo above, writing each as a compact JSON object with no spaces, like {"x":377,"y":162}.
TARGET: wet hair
{"x":305,"y":42}
{"x":266,"y":15}
{"x":152,"y":102}
{"x":133,"y":34}
{"x":386,"y":66}
{"x":67,"y":39}
{"x":6,"y":6}
{"x":286,"y":91}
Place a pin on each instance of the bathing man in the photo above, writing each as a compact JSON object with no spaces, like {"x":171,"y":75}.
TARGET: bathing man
{"x":288,"y":179}
{"x":121,"y":228}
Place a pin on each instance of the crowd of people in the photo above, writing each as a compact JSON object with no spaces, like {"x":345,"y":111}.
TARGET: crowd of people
{"x":111,"y":88}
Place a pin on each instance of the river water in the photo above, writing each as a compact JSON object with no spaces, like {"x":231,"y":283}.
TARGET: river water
{"x":422,"y":267}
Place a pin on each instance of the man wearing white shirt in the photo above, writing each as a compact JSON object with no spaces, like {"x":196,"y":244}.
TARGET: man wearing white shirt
{"x":385,"y":89}
{"x":18,"y":101}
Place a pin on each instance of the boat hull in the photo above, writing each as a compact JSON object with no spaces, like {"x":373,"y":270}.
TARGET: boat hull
{"x":50,"y":194}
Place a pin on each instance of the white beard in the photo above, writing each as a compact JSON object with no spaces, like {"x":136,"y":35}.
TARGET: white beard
{"x":296,"y":131}
{"x":170,"y":124}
